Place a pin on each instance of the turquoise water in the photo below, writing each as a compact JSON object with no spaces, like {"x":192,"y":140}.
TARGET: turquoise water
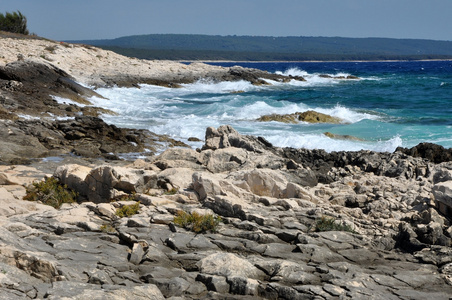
{"x":392,"y":104}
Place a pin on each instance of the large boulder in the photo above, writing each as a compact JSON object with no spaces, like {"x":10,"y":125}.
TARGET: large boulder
{"x":179,"y":158}
{"x":73,"y":176}
{"x":442,"y":193}
{"x":17,"y":146}
{"x":226,"y":136}
{"x":207,"y":185}
{"x":262,"y":182}
{"x":228,"y":265}
{"x":176,"y":178}
{"x":104,"y":181}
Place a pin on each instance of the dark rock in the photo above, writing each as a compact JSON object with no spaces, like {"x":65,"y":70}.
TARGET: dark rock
{"x":214,"y":283}
{"x":30,"y":87}
{"x":407,"y":240}
{"x":432,"y":152}
{"x":171,"y":286}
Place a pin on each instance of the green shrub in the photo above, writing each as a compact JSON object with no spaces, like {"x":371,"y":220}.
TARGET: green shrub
{"x":329,"y":224}
{"x":128,"y":210}
{"x":107,"y":228}
{"x":50,"y":192}
{"x":14,"y":22}
{"x":196,"y":222}
{"x":50,"y":48}
{"x":172,"y":191}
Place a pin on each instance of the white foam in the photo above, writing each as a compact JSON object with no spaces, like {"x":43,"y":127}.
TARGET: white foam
{"x":62,"y":100}
{"x":208,"y":86}
{"x":389,"y":145}
{"x":346,"y":114}
{"x":320,"y":141}
{"x":186,"y":112}
{"x":259,"y":108}
{"x":293,"y":72}
{"x":313,"y":79}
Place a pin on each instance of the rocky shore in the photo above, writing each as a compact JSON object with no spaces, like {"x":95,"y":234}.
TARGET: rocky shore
{"x":295,"y":223}
{"x":389,"y":239}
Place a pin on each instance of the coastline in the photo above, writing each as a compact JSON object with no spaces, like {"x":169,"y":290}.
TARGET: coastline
{"x":387,"y":215}
{"x":302,"y":61}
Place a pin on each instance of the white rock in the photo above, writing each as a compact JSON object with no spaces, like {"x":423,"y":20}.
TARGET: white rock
{"x":180,"y":178}
{"x":103,"y":180}
{"x":227,"y":264}
{"x":74,"y":177}
{"x":207,"y":185}
{"x":263,"y":182}
{"x":442,"y":193}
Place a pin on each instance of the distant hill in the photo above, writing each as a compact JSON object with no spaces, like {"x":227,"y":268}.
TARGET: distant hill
{"x":252,"y":48}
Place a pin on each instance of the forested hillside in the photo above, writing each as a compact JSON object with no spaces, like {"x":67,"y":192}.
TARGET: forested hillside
{"x":207,"y":47}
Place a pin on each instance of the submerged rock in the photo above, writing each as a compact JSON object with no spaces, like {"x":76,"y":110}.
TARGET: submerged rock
{"x":342,"y":136}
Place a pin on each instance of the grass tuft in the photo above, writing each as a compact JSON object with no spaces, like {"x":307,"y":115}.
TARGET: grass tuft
{"x":329,"y":224}
{"x":172,"y":191}
{"x":107,"y":228}
{"x":50,"y":192}
{"x":128,"y":210}
{"x":196,"y":222}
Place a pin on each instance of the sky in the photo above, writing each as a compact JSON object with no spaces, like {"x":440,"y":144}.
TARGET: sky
{"x":107,"y":19}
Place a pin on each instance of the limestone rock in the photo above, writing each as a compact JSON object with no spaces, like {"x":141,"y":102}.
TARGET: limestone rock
{"x":228,"y":265}
{"x":103,"y":180}
{"x":207,"y":185}
{"x":30,"y":263}
{"x":74,"y":177}
{"x":226,"y":136}
{"x":443,"y":197}
{"x":263,"y":182}
{"x":307,"y":116}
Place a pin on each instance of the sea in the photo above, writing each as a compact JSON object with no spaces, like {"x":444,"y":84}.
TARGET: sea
{"x":392,"y":104}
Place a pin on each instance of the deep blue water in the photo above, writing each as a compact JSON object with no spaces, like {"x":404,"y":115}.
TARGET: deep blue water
{"x":392,"y":104}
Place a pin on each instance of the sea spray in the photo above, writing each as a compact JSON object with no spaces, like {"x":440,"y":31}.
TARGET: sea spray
{"x":389,"y":106}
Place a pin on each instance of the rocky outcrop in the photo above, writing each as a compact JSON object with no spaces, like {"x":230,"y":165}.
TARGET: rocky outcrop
{"x":432,"y":152}
{"x":394,"y":242}
{"x":307,"y":116}
{"x":29,"y":88}
{"x":388,"y":214}
{"x":202,"y":72}
{"x":86,"y":136}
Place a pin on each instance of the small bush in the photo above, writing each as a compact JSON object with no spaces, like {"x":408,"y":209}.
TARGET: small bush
{"x":196,"y":222}
{"x":107,"y":228}
{"x":172,"y":191}
{"x":329,"y":224}
{"x":128,"y":197}
{"x":128,"y":210}
{"x":50,"y":49}
{"x":50,"y":192}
